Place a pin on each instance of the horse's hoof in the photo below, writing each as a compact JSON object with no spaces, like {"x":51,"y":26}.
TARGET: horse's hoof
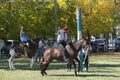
{"x":75,"y":75}
{"x":45,"y":73}
{"x":13,"y":68}
{"x":31,"y":68}
{"x":80,"y":71}
{"x":8,"y":60}
{"x":87,"y":70}
{"x":10,"y":69}
{"x":42,"y":74}
{"x":68,"y":70}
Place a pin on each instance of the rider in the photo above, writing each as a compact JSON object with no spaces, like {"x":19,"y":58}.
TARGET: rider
{"x":24,"y":39}
{"x":61,"y":39}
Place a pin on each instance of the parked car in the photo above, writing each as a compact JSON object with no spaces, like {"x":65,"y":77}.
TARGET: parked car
{"x":117,"y":44}
{"x":99,"y":45}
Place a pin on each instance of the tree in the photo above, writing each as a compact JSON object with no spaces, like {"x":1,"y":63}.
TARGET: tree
{"x":38,"y":18}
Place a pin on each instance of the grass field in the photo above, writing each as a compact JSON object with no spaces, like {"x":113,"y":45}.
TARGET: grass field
{"x":102,"y":67}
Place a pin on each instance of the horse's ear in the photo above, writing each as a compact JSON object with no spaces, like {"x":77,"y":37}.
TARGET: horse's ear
{"x":69,"y":41}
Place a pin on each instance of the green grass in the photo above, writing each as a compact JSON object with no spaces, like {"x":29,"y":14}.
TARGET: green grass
{"x":102,"y":67}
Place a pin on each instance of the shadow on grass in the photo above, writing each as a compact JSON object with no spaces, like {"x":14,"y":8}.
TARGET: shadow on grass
{"x":23,"y":64}
{"x":86,"y":75}
{"x":105,"y":65}
{"x":105,"y":71}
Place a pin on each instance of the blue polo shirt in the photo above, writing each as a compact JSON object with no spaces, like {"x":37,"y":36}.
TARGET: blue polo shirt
{"x":24,"y":38}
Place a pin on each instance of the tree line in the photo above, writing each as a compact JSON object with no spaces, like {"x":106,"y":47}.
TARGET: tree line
{"x":42,"y":17}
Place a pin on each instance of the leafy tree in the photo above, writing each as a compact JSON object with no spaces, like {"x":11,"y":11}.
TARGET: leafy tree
{"x":39,"y":19}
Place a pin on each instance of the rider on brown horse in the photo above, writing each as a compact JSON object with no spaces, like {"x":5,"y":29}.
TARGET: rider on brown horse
{"x":61,"y":39}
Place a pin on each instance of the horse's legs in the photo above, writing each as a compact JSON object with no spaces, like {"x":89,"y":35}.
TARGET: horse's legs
{"x":69,"y":65}
{"x":73,"y":62}
{"x":12,"y":64}
{"x":12,"y":53}
{"x":78,"y":64}
{"x":9,"y":60}
{"x":43,"y":68}
{"x":32,"y":60}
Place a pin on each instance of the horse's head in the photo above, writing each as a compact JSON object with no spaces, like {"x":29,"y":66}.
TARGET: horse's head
{"x":15,"y":44}
{"x":36,"y":40}
{"x":69,"y":41}
{"x":84,"y":43}
{"x":33,"y":46}
{"x":79,"y":44}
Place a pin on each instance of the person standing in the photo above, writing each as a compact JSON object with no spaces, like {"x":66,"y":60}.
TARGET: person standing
{"x":40,"y":50}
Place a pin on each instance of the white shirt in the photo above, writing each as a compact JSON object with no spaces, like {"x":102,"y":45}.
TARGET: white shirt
{"x":62,"y":36}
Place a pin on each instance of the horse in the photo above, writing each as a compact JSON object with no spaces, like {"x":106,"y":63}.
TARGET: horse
{"x":30,"y":49}
{"x":56,"y":53}
{"x":12,"y":49}
{"x":5,"y":50}
{"x":85,"y":51}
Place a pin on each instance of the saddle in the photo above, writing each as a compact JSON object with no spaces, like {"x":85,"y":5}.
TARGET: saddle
{"x":25,"y":44}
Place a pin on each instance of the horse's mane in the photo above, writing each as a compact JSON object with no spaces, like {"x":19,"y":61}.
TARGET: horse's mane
{"x":34,"y":41}
{"x":77,"y":45}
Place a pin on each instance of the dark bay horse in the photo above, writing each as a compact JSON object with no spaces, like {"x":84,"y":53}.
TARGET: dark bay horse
{"x":31,"y":50}
{"x":85,"y":52}
{"x":56,"y":53}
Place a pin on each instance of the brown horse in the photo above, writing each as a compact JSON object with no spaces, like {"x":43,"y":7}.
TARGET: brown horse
{"x":31,"y":50}
{"x":56,"y":53}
